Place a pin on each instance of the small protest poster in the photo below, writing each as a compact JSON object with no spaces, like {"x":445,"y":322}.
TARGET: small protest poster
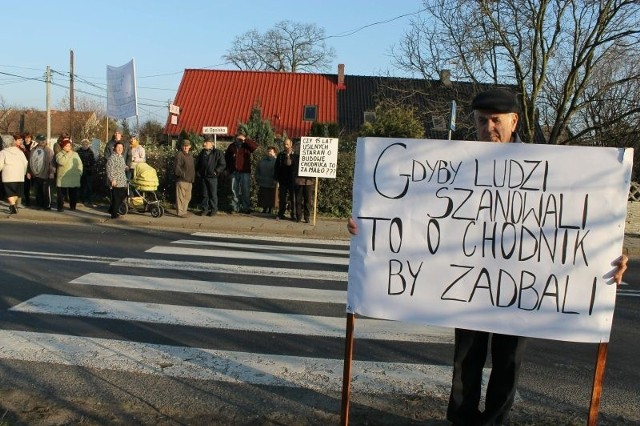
{"x":509,"y":238}
{"x":318,"y":157}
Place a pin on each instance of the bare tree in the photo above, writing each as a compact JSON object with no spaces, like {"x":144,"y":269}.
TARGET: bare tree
{"x":557,"y":53}
{"x":289,"y":46}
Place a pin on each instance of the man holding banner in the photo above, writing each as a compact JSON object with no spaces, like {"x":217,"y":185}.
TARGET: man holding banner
{"x":496,"y":117}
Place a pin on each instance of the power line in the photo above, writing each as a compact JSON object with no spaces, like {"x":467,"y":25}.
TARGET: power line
{"x":386,"y":21}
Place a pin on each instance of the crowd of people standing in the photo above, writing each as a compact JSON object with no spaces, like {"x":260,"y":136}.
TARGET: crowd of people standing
{"x":276,"y":176}
{"x":60,"y":175}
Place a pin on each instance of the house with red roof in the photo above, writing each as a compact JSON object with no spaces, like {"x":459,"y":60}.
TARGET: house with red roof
{"x":218,"y":98}
{"x":292,"y":102}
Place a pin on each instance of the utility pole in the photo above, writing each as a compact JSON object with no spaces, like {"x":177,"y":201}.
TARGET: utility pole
{"x":71,"y":103}
{"x":48,"y":79}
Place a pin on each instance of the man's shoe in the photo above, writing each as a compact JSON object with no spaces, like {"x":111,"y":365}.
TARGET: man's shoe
{"x":306,"y":220}
{"x":13,"y":209}
{"x":211,"y":213}
{"x":204,"y":213}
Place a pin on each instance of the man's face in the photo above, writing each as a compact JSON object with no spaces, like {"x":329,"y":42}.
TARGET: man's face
{"x":118,"y":135}
{"x":208,"y":145}
{"x":494,"y":126}
{"x":271,"y":153}
{"x":186,"y":148}
{"x":287,"y":144}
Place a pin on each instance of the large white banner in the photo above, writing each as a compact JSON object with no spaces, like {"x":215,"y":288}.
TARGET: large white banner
{"x":121,"y":91}
{"x":510,"y":238}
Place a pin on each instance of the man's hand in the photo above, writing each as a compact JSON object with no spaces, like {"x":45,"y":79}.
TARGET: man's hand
{"x":352,"y":227}
{"x":621,"y":266}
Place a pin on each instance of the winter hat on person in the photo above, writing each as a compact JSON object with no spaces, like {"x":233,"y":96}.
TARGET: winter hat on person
{"x":41,"y":138}
{"x":186,"y":142}
{"x":496,"y":100}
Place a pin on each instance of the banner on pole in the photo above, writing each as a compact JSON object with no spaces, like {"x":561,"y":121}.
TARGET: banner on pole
{"x":122,"y":100}
{"x":510,"y":238}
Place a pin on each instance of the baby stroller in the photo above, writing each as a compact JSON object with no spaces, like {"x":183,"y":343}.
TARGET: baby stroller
{"x":141,"y":196}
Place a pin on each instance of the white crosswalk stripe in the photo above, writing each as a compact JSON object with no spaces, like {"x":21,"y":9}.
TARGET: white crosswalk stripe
{"x":319,"y":374}
{"x":182,"y":265}
{"x":264,"y":291}
{"x":268,"y":322}
{"x":228,"y":254}
{"x":227,"y":245}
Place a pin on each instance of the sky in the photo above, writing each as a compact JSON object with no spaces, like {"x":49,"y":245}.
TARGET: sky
{"x":166,"y":37}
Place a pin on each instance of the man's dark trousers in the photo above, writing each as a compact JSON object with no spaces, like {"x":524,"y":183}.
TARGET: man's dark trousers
{"x":286,"y":191}
{"x":209,"y":194}
{"x":469,"y":358}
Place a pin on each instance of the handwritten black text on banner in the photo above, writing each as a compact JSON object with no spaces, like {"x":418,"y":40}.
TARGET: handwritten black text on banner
{"x":510,"y":238}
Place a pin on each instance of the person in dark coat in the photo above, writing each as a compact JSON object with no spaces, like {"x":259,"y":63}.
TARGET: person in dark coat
{"x":266,"y":181}
{"x":210,"y":164}
{"x":238,"y":159}
{"x":185,"y":172}
{"x":284,"y":173}
{"x":88,"y":159}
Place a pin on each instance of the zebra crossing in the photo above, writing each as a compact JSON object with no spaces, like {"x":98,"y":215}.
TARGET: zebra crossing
{"x":268,"y":272}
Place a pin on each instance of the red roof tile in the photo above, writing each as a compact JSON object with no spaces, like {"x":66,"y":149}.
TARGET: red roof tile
{"x":225,"y":98}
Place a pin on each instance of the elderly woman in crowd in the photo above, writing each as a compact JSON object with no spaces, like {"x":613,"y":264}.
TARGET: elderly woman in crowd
{"x":138,"y":153}
{"x":117,"y":178}
{"x":68,"y":174}
{"x":13,"y":165}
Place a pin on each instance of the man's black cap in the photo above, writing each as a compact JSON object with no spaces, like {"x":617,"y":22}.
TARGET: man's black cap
{"x":208,"y":138}
{"x":496,"y":100}
{"x":41,"y":138}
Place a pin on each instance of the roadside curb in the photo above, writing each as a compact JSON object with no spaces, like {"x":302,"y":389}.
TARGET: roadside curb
{"x":256,"y":223}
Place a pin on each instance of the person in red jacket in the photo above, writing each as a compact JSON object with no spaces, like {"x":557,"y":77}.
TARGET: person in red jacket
{"x":238,"y":159}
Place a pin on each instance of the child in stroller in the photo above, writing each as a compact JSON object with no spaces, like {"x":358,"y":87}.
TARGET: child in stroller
{"x":142,"y":195}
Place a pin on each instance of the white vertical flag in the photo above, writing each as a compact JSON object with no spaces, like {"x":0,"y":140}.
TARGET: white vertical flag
{"x":122,"y":101}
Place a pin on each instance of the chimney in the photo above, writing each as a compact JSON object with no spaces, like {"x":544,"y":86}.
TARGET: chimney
{"x":341,"y":85}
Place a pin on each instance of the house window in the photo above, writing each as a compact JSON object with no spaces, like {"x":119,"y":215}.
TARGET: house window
{"x":369,"y":117}
{"x":310,"y":113}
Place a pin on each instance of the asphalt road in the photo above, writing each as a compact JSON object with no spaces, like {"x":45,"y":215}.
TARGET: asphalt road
{"x":52,"y":260}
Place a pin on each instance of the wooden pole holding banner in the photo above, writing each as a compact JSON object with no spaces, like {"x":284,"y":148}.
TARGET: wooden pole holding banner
{"x":315,"y":201}
{"x":346,"y":371}
{"x":596,"y":390}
